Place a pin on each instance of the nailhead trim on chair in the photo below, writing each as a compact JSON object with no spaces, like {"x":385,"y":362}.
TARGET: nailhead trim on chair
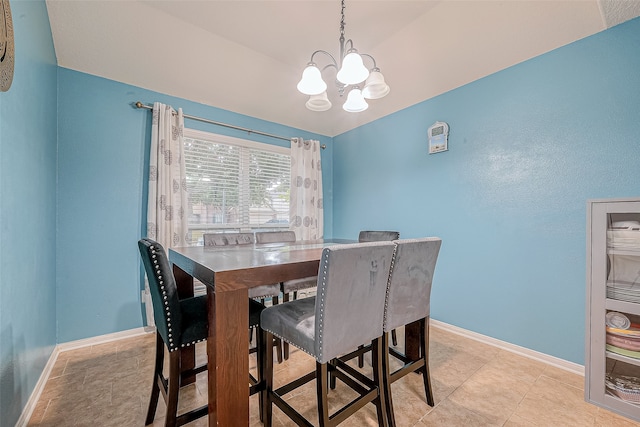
{"x":386,"y":298}
{"x":284,"y":339}
{"x":323,"y":288}
{"x":171,"y":345}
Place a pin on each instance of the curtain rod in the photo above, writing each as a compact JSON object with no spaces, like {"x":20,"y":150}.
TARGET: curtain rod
{"x":200,"y":119}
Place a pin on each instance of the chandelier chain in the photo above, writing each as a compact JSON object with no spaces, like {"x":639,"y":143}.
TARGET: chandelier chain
{"x":342,"y":23}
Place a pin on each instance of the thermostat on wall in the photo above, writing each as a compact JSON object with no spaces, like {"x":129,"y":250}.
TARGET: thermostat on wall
{"x":438,"y":135}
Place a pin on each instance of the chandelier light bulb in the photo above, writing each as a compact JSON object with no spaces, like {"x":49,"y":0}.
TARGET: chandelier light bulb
{"x":311,"y":82}
{"x":318,"y":102}
{"x":375,"y":86}
{"x":355,"y":101}
{"x":353,"y":70}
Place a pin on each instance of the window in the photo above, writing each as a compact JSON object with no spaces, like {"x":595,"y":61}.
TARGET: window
{"x":235,"y":184}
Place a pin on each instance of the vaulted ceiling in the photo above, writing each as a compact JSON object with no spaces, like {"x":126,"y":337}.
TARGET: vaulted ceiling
{"x":247,"y":56}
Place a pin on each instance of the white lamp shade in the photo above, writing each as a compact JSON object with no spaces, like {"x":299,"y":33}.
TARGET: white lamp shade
{"x":353,"y":70}
{"x":318,"y":102}
{"x":355,"y":102}
{"x":311,"y":82}
{"x":375,"y":87}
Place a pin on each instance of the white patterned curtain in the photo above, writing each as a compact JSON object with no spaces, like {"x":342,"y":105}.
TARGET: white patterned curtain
{"x":167,"y":204}
{"x":306,"y":205}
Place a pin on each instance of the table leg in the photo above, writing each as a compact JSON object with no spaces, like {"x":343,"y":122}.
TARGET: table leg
{"x":184,"y":284}
{"x":228,"y":356}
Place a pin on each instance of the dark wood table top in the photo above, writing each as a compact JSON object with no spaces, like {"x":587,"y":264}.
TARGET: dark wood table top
{"x":250,"y":265}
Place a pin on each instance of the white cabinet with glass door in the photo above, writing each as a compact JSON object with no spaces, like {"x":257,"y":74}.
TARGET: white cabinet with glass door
{"x":612,"y":365}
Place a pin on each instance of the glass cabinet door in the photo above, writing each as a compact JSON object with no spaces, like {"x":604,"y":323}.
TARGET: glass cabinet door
{"x":612,"y":365}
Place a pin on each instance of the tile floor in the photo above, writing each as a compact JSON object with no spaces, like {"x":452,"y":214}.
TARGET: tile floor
{"x":474,"y":385}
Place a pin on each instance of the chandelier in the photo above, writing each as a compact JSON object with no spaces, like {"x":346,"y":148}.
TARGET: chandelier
{"x":351,"y":73}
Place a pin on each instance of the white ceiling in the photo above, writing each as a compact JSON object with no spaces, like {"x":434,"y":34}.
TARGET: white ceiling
{"x":247,"y":56}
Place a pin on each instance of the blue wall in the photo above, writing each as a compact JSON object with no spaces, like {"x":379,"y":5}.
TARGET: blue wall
{"x":103,"y":161}
{"x":27,"y":210}
{"x":527,"y":147}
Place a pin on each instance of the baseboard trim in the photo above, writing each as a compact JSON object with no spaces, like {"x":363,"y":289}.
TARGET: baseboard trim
{"x":102,"y":339}
{"x":523,"y":351}
{"x":60,"y":348}
{"x":28,"y":409}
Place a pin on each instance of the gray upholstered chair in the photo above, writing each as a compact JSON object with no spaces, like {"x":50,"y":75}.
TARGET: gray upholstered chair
{"x":275,"y":236}
{"x":180,"y":324}
{"x":347,"y":311}
{"x":408,"y":301}
{"x":232,"y":239}
{"x":287,"y":287}
{"x":261,"y":292}
{"x":378,"y":236}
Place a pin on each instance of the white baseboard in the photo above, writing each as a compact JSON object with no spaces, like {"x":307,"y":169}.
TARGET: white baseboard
{"x":101,"y":339}
{"x":72,"y":345}
{"x":523,"y":351}
{"x":27,"y":411}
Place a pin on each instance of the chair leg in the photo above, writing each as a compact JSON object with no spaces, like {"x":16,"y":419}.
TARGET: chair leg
{"x":157,"y":373}
{"x":267,"y":372}
{"x":394,"y":338}
{"x":278,"y":341}
{"x":174,"y":388}
{"x":424,"y":338}
{"x":386,"y":381}
{"x":322,"y":387}
{"x":381,"y":402}
{"x":260,"y":368}
{"x":361,"y":357}
{"x":285,"y":345}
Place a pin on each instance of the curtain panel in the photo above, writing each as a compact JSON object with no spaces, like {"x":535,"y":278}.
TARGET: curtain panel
{"x":167,"y":203}
{"x":306,"y":203}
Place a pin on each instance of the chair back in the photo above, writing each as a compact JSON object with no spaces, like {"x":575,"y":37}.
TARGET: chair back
{"x":227,"y":239}
{"x":409,"y":293}
{"x":275,"y":236}
{"x":164,"y":292}
{"x":352,"y":284}
{"x":377,"y":236}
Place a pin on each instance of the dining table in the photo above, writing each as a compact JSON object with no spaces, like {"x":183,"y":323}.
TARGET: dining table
{"x":228,"y":272}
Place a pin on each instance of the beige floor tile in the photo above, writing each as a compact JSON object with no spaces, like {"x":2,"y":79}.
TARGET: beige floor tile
{"x":542,"y":411}
{"x":568,"y":397}
{"x":564,"y":376}
{"x":474,"y":384}
{"x":451,"y":414}
{"x":517,"y":421}
{"x":606,"y":418}
{"x":491,"y":393}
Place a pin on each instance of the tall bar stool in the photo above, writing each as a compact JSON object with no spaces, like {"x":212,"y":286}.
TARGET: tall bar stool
{"x":261,"y":292}
{"x":347,"y":311}
{"x":287,"y":287}
{"x":408,"y":301}
{"x":378,"y":236}
{"x":180,"y":324}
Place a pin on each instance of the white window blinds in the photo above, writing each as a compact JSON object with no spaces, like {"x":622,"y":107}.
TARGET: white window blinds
{"x":235,"y":184}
